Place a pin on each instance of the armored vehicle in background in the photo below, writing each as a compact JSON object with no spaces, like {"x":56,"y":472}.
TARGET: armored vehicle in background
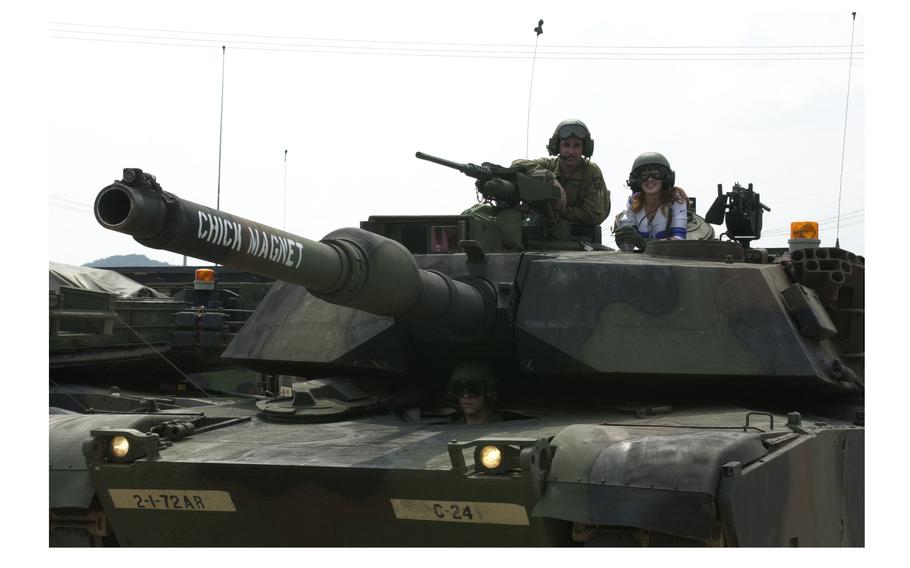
{"x":130,"y":328}
{"x":692,"y":394}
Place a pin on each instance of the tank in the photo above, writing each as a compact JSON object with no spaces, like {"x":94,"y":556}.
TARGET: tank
{"x":699,"y":393}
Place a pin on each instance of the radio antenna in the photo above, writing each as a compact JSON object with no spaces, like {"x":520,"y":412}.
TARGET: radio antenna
{"x":539,"y":30}
{"x":220,"y":131}
{"x":844,"y":145}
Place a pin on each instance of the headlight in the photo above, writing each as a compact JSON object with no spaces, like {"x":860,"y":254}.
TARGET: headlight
{"x":120,"y":447}
{"x":490,"y":457}
{"x":496,"y":457}
{"x":509,"y":459}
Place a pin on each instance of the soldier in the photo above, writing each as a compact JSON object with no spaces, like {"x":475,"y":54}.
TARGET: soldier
{"x":657,"y":209}
{"x":473,"y":385}
{"x":585,"y":197}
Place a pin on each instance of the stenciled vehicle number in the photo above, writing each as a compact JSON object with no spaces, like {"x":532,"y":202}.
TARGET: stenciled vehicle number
{"x":460,"y":511}
{"x":172,"y":500}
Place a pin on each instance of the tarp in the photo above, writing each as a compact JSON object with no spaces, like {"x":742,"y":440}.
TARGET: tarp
{"x":98,"y":279}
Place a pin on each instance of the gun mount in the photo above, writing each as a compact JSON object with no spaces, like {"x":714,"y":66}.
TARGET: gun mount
{"x":742,"y":211}
{"x":507,"y":186}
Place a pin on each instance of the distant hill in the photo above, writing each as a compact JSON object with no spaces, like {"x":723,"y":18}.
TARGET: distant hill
{"x":125,"y":260}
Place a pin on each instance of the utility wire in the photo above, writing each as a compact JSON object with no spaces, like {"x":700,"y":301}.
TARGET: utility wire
{"x":462,"y":55}
{"x":786,"y":231}
{"x":70,"y":202}
{"x":423,"y":48}
{"x":166,"y":360}
{"x":302,"y":38}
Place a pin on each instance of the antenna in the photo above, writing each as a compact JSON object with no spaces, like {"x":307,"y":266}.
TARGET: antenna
{"x":844,"y":146}
{"x":220,"y":131}
{"x":539,"y":30}
{"x":285,"y":221}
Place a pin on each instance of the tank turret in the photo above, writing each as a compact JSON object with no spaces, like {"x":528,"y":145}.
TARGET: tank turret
{"x":569,"y":313}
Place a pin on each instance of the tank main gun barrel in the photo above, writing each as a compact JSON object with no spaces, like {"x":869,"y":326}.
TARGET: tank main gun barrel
{"x":350,"y":267}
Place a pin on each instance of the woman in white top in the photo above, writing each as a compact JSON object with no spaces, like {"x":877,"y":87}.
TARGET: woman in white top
{"x":657,"y":209}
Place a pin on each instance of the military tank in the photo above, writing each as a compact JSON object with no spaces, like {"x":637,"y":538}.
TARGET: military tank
{"x":697,"y":393}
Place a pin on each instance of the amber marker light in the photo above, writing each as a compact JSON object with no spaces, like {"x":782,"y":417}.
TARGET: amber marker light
{"x":120,"y":447}
{"x":205,"y":279}
{"x":490,"y":457}
{"x":803,"y":230}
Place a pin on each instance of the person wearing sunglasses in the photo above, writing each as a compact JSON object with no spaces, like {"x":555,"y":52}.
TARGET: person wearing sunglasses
{"x":657,"y":209}
{"x":585,"y":198}
{"x":473,"y":385}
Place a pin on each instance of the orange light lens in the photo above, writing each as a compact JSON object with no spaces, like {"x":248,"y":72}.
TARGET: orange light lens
{"x":803,"y":230}
{"x":205,"y":275}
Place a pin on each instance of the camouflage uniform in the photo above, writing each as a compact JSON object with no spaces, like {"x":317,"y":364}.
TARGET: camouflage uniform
{"x":587,"y":196}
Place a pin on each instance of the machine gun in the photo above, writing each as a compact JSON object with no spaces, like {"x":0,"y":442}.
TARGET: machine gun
{"x":742,"y":211}
{"x":508,"y":187}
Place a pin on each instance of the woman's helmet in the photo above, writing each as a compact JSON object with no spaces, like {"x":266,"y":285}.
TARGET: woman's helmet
{"x":651,"y":161}
{"x":571,"y":128}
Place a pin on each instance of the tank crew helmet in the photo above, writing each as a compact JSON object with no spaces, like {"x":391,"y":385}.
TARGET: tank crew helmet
{"x":651,"y":163}
{"x":473,"y":378}
{"x":571,"y":128}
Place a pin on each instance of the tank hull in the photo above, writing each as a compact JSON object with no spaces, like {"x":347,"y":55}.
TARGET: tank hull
{"x":692,"y":477}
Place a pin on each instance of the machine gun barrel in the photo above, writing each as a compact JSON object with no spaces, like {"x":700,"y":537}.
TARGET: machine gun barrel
{"x":349,"y":267}
{"x":482,"y":173}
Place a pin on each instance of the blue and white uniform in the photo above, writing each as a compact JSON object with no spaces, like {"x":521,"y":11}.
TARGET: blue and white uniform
{"x":656,"y":227}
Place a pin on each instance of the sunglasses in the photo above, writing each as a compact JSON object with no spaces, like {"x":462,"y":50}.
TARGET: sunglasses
{"x":470,"y":387}
{"x":572,"y":130}
{"x":648,"y":174}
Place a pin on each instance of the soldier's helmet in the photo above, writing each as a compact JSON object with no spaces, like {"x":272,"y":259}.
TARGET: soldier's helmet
{"x":475,"y":378}
{"x":571,"y":128}
{"x":651,"y":161}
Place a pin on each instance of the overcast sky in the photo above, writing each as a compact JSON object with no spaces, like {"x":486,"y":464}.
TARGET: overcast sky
{"x":352,"y":89}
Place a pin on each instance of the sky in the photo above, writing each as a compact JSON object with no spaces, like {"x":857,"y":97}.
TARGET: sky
{"x":352,"y":90}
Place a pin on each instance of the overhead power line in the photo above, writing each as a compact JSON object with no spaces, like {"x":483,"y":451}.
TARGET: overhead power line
{"x":221,"y":35}
{"x":492,"y":55}
{"x":151,"y":36}
{"x":778,"y":231}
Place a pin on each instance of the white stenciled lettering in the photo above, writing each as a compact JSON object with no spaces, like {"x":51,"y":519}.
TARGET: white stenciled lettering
{"x":202,"y":233}
{"x":219,"y":228}
{"x":211,"y":226}
{"x":224,"y":229}
{"x":295,"y":250}
{"x":283,"y":243}
{"x":264,"y":246}
{"x":275,"y":248}
{"x":299,"y":253}
{"x":289,"y":246}
{"x":254,"y":241}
